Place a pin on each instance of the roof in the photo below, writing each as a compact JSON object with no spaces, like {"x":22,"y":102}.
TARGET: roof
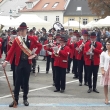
{"x":48,"y":5}
{"x":12,"y":5}
{"x":72,"y":8}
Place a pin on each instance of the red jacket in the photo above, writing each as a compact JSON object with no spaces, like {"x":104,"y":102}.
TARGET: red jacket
{"x":0,"y":47}
{"x":72,"y":48}
{"x":97,"y":51}
{"x":15,"y":49}
{"x":81,"y":53}
{"x":62,"y":59}
{"x":47,"y":48}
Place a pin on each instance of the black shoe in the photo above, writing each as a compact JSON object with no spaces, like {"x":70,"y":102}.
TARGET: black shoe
{"x":80,"y":84}
{"x":86,"y":84}
{"x":26,"y":103}
{"x":12,"y":104}
{"x":89,"y":91}
{"x":62,"y":91}
{"x":47,"y":72}
{"x":56,"y":90}
{"x":95,"y":90}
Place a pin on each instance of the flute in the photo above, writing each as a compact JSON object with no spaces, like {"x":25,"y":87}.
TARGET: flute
{"x":91,"y":52}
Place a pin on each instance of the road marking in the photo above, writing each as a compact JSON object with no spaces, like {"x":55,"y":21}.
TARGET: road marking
{"x":62,"y":105}
{"x":37,"y":89}
{"x":4,"y":76}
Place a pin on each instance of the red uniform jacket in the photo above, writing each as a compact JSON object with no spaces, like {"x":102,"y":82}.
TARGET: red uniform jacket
{"x":0,"y":47}
{"x":81,"y":53}
{"x":62,"y":59}
{"x":72,"y":48}
{"x":97,"y":51}
{"x":47,"y":48}
{"x":15,"y":49}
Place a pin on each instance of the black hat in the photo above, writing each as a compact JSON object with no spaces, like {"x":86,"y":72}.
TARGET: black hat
{"x":50,"y":35}
{"x":58,"y":36}
{"x":64,"y":38}
{"x":14,"y":32}
{"x":34,"y":28}
{"x":23,"y":26}
{"x":31,"y":31}
{"x":43,"y":29}
{"x":54,"y":29}
{"x":93,"y":34}
{"x":85,"y":33}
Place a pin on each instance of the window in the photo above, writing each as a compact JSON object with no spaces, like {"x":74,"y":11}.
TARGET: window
{"x":29,"y":5}
{"x":45,"y":18}
{"x":57,"y":18}
{"x":71,"y":19}
{"x":96,"y":19}
{"x":45,"y":5}
{"x":85,"y":21}
{"x":55,"y":5}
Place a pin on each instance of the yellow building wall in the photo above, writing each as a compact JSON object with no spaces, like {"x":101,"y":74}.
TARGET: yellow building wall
{"x":76,"y":18}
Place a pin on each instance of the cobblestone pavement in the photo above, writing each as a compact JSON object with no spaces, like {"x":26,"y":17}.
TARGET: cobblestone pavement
{"x":42,"y":97}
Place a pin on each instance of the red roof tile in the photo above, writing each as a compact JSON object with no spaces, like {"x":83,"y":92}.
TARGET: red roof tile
{"x":39,"y":6}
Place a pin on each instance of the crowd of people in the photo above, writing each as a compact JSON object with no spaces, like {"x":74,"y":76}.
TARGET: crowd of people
{"x":86,"y":49}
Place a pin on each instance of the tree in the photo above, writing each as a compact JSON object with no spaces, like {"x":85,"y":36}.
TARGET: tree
{"x":100,"y":7}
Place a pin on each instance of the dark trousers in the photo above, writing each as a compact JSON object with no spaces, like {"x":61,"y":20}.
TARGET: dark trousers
{"x":69,"y":63}
{"x":34,"y":64}
{"x":53,"y":69}
{"x":92,"y":69}
{"x":75,"y":67}
{"x":22,"y":73}
{"x":48,"y":63}
{"x":13,"y":69}
{"x":81,"y":64}
{"x":60,"y":82}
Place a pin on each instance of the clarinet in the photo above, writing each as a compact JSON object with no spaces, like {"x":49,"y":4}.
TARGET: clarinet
{"x":91,"y":52}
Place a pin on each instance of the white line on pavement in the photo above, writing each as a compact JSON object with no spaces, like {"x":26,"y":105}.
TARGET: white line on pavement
{"x":33,"y":90}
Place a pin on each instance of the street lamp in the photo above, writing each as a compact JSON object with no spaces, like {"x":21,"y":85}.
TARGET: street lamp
{"x":79,"y":9}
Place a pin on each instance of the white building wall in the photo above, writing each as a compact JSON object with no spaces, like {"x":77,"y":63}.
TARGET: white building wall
{"x":51,"y":16}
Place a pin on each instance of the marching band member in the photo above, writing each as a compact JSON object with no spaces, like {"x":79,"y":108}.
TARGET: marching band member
{"x":57,"y":43}
{"x":48,"y":43}
{"x":22,"y":48}
{"x":60,"y":63}
{"x":70,"y":43}
{"x":92,"y":51}
{"x":105,"y":69}
{"x":80,"y":58}
{"x":31,"y":33}
{"x":75,"y":61}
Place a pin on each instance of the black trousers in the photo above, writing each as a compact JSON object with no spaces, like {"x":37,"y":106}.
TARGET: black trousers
{"x":60,"y":82}
{"x":22,"y":72}
{"x":53,"y":69}
{"x":69,"y":63}
{"x":13,"y":69}
{"x":81,"y":64}
{"x":48,"y":63}
{"x":92,"y":69}
{"x":75,"y":67}
{"x":34,"y":64}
